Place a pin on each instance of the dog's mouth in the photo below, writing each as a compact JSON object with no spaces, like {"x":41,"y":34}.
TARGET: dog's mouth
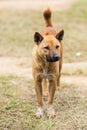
{"x":53,"y":59}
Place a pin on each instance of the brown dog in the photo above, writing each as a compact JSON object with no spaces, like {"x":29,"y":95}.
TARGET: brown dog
{"x":47,"y":63}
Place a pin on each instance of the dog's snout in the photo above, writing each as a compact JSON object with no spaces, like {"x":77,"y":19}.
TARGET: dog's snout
{"x":54,"y":58}
{"x":55,"y":55}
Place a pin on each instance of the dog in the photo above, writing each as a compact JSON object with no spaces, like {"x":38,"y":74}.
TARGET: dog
{"x":47,"y":63}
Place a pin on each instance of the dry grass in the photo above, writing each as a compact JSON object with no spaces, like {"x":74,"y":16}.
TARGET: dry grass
{"x":18,"y":106}
{"x":75,"y":68}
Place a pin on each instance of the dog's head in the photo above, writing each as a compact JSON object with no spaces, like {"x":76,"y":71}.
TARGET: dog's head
{"x":49,"y":46}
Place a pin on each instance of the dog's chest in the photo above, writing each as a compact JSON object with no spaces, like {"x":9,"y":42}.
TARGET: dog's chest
{"x":45,"y":73}
{"x":48,"y":71}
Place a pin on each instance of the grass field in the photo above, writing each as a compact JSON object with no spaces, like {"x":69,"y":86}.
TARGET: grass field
{"x":17,"y":29}
{"x":17,"y":95}
{"x":17,"y":107}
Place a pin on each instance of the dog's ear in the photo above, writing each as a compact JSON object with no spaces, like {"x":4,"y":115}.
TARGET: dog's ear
{"x":37,"y":37}
{"x":60,"y":35}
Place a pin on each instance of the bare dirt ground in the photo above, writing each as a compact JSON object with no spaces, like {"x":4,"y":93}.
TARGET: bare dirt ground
{"x":36,"y":4}
{"x":22,"y":66}
{"x":14,"y":66}
{"x":18,"y":66}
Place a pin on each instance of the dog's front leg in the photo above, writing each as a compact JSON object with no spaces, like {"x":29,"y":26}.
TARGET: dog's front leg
{"x":38,"y":89}
{"x":52,"y":88}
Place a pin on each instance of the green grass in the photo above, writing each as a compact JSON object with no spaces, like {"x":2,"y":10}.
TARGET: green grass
{"x":18,"y":106}
{"x":17,"y":29}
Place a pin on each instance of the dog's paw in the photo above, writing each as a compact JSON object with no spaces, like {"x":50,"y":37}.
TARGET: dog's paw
{"x":51,"y":112}
{"x":39,"y":112}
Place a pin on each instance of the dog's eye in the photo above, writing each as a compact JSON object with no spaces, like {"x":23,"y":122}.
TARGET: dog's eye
{"x":57,"y":47}
{"x":46,"y":47}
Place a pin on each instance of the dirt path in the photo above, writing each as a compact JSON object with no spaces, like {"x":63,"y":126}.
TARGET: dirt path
{"x":80,"y":82}
{"x":14,"y":66}
{"x":22,"y":66}
{"x":36,"y":4}
{"x":19,"y":67}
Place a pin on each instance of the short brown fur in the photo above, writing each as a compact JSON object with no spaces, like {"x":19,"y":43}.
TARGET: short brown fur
{"x":47,"y":74}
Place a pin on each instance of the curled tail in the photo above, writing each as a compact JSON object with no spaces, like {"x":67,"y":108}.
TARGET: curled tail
{"x":47,"y":16}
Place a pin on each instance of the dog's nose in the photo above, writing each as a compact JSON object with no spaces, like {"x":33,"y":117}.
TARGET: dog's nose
{"x":55,"y":57}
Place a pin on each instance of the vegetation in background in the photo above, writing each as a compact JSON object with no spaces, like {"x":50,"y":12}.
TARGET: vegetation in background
{"x":17,"y":29}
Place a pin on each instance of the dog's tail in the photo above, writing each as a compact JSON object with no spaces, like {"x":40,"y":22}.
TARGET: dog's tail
{"x":47,"y":16}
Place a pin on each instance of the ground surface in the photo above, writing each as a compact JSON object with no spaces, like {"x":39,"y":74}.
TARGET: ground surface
{"x":18,"y":107}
